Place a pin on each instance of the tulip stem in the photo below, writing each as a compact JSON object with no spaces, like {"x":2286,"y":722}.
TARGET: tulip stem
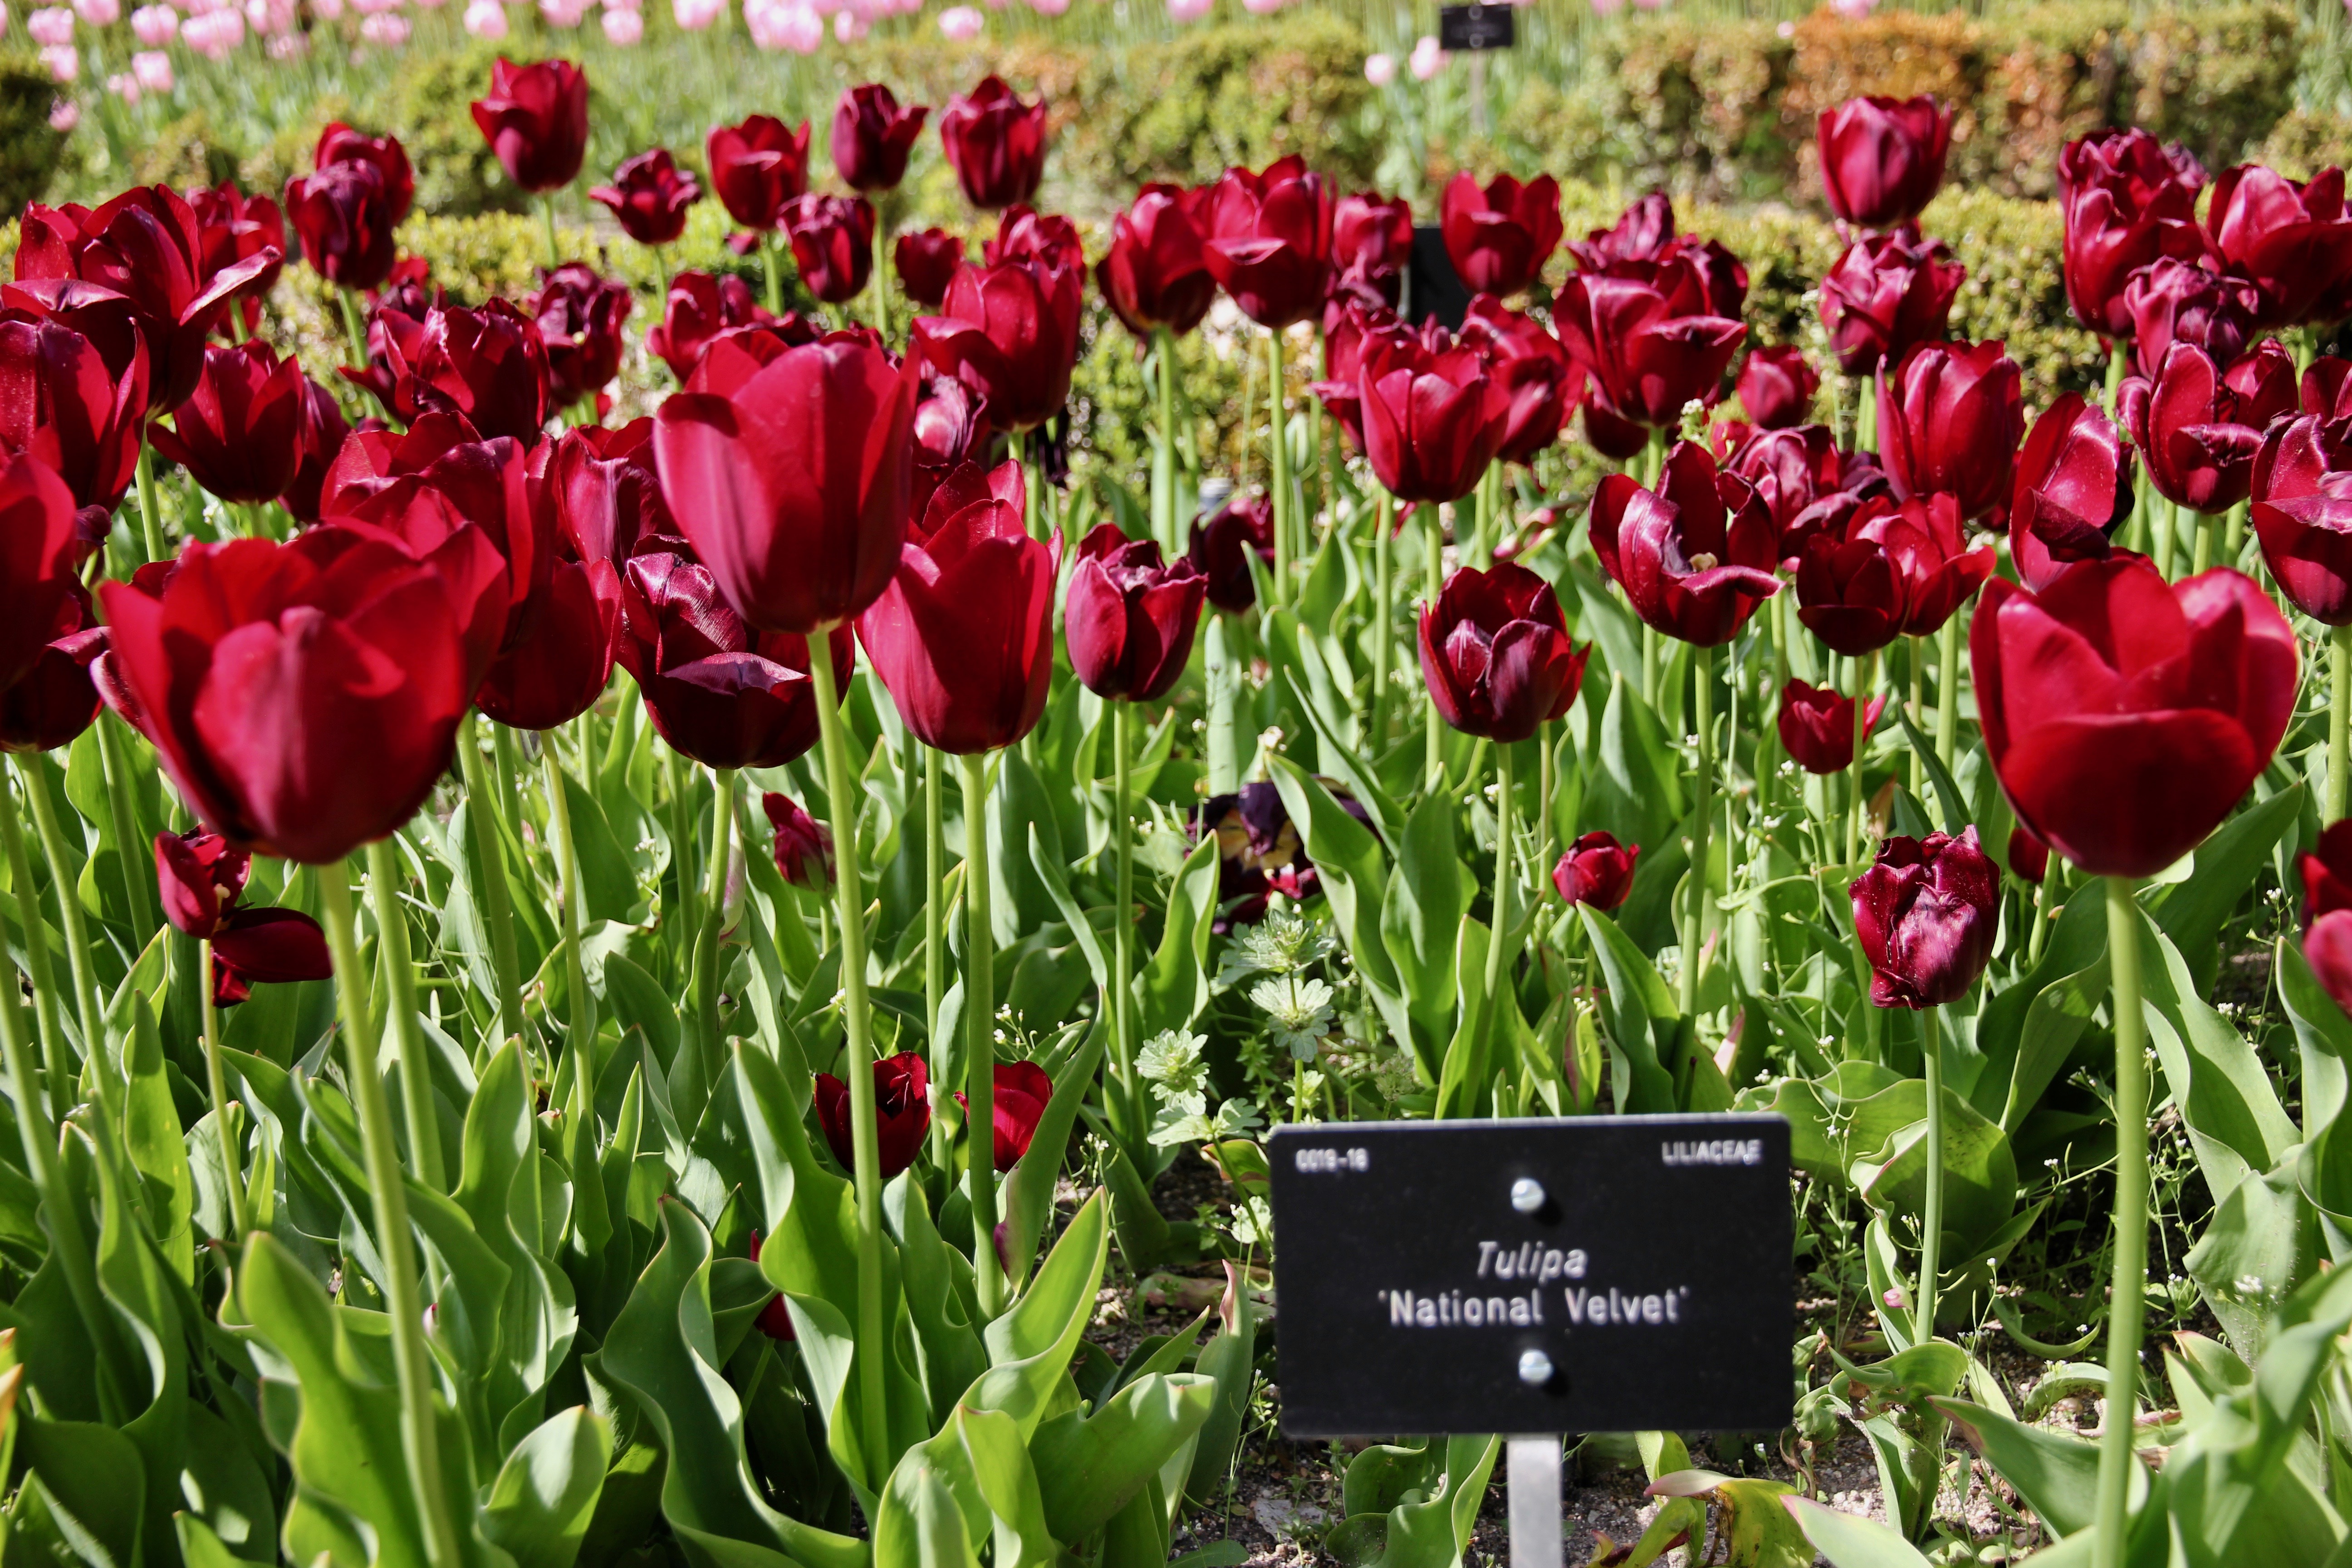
{"x":1866,"y":679}
{"x":2339,"y":725}
{"x":354,"y":327}
{"x":1693,"y":932}
{"x":1915,"y":654}
{"x":2118,"y":362}
{"x":1931,"y":1222}
{"x":498,"y":905}
{"x":29,"y":919}
{"x":1279,"y":480}
{"x":1223,"y":695}
{"x":240,"y":1213}
{"x":2166,"y":524}
{"x":775,"y":274}
{"x":849,"y":880}
{"x":1947,"y":689}
{"x":1383,"y":622}
{"x":2202,"y":556}
{"x":881,"y":279}
{"x":1163,"y":454}
{"x":407,"y":1036}
{"x":2128,"y":1302}
{"x":979,"y":1054}
{"x":1543,"y":801}
{"x":1435,"y":530}
{"x":410,"y":1362}
{"x":714,"y":923}
{"x":935,"y":942}
{"x":116,"y":768}
{"x":1122,"y":925}
{"x":681,"y":847}
{"x":150,"y":505}
{"x":567,"y":912}
{"x":1500,"y":935}
{"x":71,"y":923}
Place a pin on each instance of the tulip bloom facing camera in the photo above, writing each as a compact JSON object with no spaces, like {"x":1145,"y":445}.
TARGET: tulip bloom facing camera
{"x":1888,"y":294}
{"x":2129,"y":202}
{"x":1816,"y":726}
{"x":756,"y":167}
{"x":1432,"y":418}
{"x":536,"y":122}
{"x":1926,"y":913}
{"x":580,"y":317}
{"x":488,"y":364}
{"x":1649,"y":343}
{"x":1268,"y":240}
{"x":1694,"y":556}
{"x":803,"y":845}
{"x":1777,"y":386}
{"x":2293,"y":238}
{"x":926,"y":261}
{"x":1154,"y":274}
{"x":1950,"y":420}
{"x":872,"y":136}
{"x":2303,"y":514}
{"x":1130,"y":618}
{"x":649,"y":196}
{"x":1010,"y":333}
{"x":1882,"y":158}
{"x":2124,"y":715}
{"x":1499,"y":237}
{"x":995,"y":143}
{"x":2074,"y":490}
{"x":1597,"y":870}
{"x":902,"y":1112}
{"x":240,"y":433}
{"x":1495,"y":653}
{"x":2196,"y":431}
{"x":833,"y":245}
{"x":2179,"y":302}
{"x":201,"y":877}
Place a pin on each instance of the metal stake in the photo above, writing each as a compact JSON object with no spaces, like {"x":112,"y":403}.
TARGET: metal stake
{"x":1535,"y":1502}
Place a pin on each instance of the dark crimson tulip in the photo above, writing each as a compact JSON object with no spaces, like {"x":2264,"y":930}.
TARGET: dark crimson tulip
{"x":303,"y":697}
{"x":2074,"y":490}
{"x":1852,"y":594}
{"x":1532,"y":369}
{"x":872,"y":136}
{"x":1495,"y":653}
{"x":2326,"y":872}
{"x":2124,"y":715}
{"x":2301,"y":490}
{"x":2293,"y":238}
{"x":343,"y":217}
{"x":700,"y":308}
{"x":1816,"y":726}
{"x":1881,"y":158}
{"x":1950,"y":420}
{"x":2326,"y":387}
{"x":995,"y":143}
{"x":323,"y":433}
{"x":775,"y":1319}
{"x":833,"y":244}
{"x":1153,"y":275}
{"x":2029,"y":857}
{"x":1499,"y":237}
{"x":1372,"y":242}
{"x":2128,"y":201}
{"x":1597,"y":870}
{"x":1268,"y":240}
{"x":756,"y":167}
{"x":489,"y":364}
{"x":1830,"y":513}
{"x":339,"y":143}
{"x":1887,"y":294}
{"x":2180,"y":301}
{"x":559,"y":669}
{"x":55,"y":700}
{"x":1433,"y":418}
{"x":1926,"y":913}
{"x":1648,"y":342}
{"x":1790,"y":468}
{"x":925,"y":260}
{"x":40,"y":596}
{"x":2328,"y":947}
{"x":1010,"y":333}
{"x":803,"y":845}
{"x":1223,"y":543}
{"x":1641,"y":232}
{"x":1040,"y":239}
{"x":580,"y":317}
{"x":1359,"y":331}
{"x":1130,"y":618}
{"x":236,"y":227}
{"x":60,"y":404}
{"x":239,"y":434}
{"x":536,"y":122}
{"x":2264,"y":380}
{"x":1694,"y":556}
{"x":790,"y":479}
{"x":950,"y":429}
{"x":1619,"y":440}
{"x":599,"y":491}
{"x":963,"y":637}
{"x":2194,"y":431}
{"x":1775,"y":386}
{"x":902,"y":1112}
{"x":1924,"y":541}
{"x":202,"y":876}
{"x":717,"y":691}
{"x":2327,"y":912}
{"x":649,"y":195}
{"x":1022,"y":1093}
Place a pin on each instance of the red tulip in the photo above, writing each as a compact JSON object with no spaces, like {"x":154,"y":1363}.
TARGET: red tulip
{"x":1356,"y":331}
{"x":41,"y":598}
{"x":2129,"y":202}
{"x":1926,"y":913}
{"x":1499,"y":237}
{"x":775,"y":1319}
{"x":1010,"y":333}
{"x":60,"y":404}
{"x":1495,"y":653}
{"x":1154,"y":274}
{"x":950,"y":429}
{"x":2124,"y":715}
{"x":2301,"y":490}
{"x":963,"y":637}
{"x":339,"y":143}
{"x":2029,"y":857}
{"x":579,"y":316}
{"x":995,"y":143}
{"x":599,"y":491}
{"x":833,"y":244}
{"x":2074,"y":490}
{"x":1642,"y":232}
{"x":1597,"y":870}
{"x":1816,"y":726}
{"x":649,"y":195}
{"x":488,"y":364}
{"x":1647,"y":341}
{"x":2194,"y":431}
{"x":1040,"y":239}
{"x":1223,"y":543}
{"x":2180,"y":301}
{"x":926,"y":259}
{"x":1852,"y":594}
{"x":790,"y":479}
{"x":1881,"y":158}
{"x":55,"y":700}
{"x":1268,"y":240}
{"x":699,"y":310}
{"x":1433,"y":418}
{"x":756,"y":167}
{"x":322,"y":436}
{"x":872,"y":136}
{"x":1531,"y":367}
{"x":2293,"y":239}
{"x":240,"y":433}
{"x":1790,"y":468}
{"x":1950,"y":420}
{"x":1923,"y":539}
{"x":1887,"y":294}
{"x":1696,"y":556}
{"x":233,"y":228}
{"x":1130,"y":618}
{"x":560,"y":667}
{"x":1617,"y":439}
{"x":803,"y":845}
{"x":902,"y":1112}
{"x":2327,"y":942}
{"x":1021,"y":1095}
{"x":1775,"y":386}
{"x":536,"y":122}
{"x":344,"y":221}
{"x":201,"y":876}
{"x":1372,"y":242}
{"x":1644,"y":244}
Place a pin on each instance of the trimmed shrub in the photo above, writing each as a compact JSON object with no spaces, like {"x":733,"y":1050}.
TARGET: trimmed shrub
{"x":28,"y":147}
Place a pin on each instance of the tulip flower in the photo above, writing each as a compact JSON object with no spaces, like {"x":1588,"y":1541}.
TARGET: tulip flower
{"x":485,"y":484}
{"x":1433,"y":418}
{"x":1615,"y":438}
{"x":54,"y":702}
{"x":2301,"y":490}
{"x":1950,"y":420}
{"x":790,"y":479}
{"x":902,"y":1108}
{"x":995,"y":143}
{"x":2293,"y":238}
{"x":1258,"y":850}
{"x":536,"y":120}
{"x":1372,"y":243}
{"x":579,"y":316}
{"x":803,"y":847}
{"x":1223,"y":543}
{"x":202,"y":876}
{"x":699,"y":310}
{"x":1040,"y":239}
{"x":833,"y":244}
{"x":233,"y":228}
{"x":925,"y":262}
{"x":2180,"y":301}
{"x":1154,"y":274}
{"x":599,"y":493}
{"x":1596,"y":870}
{"x":322,"y":436}
{"x":756,"y":168}
{"x":1926,"y":913}
{"x":2126,"y":716}
{"x":1696,"y":556}
{"x":60,"y":404}
{"x":649,"y":195}
{"x":2029,"y":857}
{"x":963,"y":637}
{"x":561,"y":665}
{"x":1888,"y":294}
{"x":1361,"y":331}
{"x":1010,"y":333}
{"x":1268,"y":240}
{"x":1641,"y":232}
{"x":2195,"y":432}
{"x":1532,"y":369}
{"x":1646,"y":341}
{"x":1130,"y":618}
{"x":1775,"y":386}
{"x":1790,"y":468}
{"x":1023,"y":1092}
{"x":1816,"y":726}
{"x":1499,"y":237}
{"x":2074,"y":490}
{"x":1852,"y":594}
{"x":342,"y":216}
{"x":240,"y":433}
{"x":950,"y":429}
{"x":872,"y":136}
{"x":39,"y":552}
{"x":1923,"y":539}
{"x":2129,"y":202}
{"x":1495,"y":653}
{"x":1881,"y":158}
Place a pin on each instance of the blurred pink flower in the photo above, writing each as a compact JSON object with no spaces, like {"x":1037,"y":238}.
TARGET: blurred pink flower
{"x":486,"y":19}
{"x":1607,"y":8}
{"x":1049,"y":8}
{"x":1262,"y":7}
{"x":289,"y":45}
{"x":99,"y":13}
{"x":64,"y":62}
{"x":1380,"y":70}
{"x":123,"y":86}
{"x":1193,"y":10}
{"x":1857,"y":10}
{"x":1427,"y":60}
{"x":155,"y":26}
{"x":624,"y":28}
{"x":783,"y":24}
{"x":563,"y":12}
{"x":962,"y":23}
{"x":154,"y":70}
{"x":64,"y":115}
{"x":215,"y":34}
{"x":51,"y":27}
{"x":3,"y":19}
{"x":388,"y":31}
{"x":693,"y":15}
{"x":327,"y":10}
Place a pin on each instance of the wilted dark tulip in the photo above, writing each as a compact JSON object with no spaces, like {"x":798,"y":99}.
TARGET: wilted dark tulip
{"x":1268,"y":240}
{"x":1499,"y":237}
{"x":1882,"y":158}
{"x":872,"y":136}
{"x":1646,"y":341}
{"x":1696,"y":556}
{"x":1887,"y":294}
{"x":1775,"y":386}
{"x":59,"y":403}
{"x":2180,"y":301}
{"x":536,"y":120}
{"x":833,"y":245}
{"x":902,"y":1112}
{"x":561,"y":665}
{"x":649,"y":196}
{"x":803,"y":845}
{"x":2293,"y":238}
{"x":1223,"y":543}
{"x":1022,"y":1093}
{"x":239,"y":434}
{"x":756,"y":167}
{"x":995,"y":143}
{"x":1010,"y":333}
{"x":1950,"y":420}
{"x":925,"y":260}
{"x":580,"y":318}
{"x":1372,"y":242}
{"x":1816,"y":726}
{"x":1926,"y":913}
{"x":1495,"y":653}
{"x":2301,"y":490}
{"x":1432,"y":418}
{"x":2194,"y":431}
{"x":1154,"y":274}
{"x":2074,"y":490}
{"x":1532,"y":369}
{"x":201,"y":877}
{"x":1129,"y":618}
{"x":1597,"y":870}
{"x":2129,"y":202}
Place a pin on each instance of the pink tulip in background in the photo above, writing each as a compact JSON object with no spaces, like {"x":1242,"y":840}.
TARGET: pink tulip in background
{"x":1428,"y":60}
{"x":695,"y":16}
{"x":51,"y":27}
{"x":624,"y":28}
{"x":487,"y":19}
{"x":152,"y":68}
{"x":63,"y":60}
{"x":1379,"y":69}
{"x":154,"y":26}
{"x":387,"y":30}
{"x":962,"y":23}
{"x":1193,"y":10}
{"x":99,"y":13}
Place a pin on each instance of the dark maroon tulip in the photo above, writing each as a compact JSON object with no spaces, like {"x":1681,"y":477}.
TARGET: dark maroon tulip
{"x":2326,"y":871}
{"x":872,"y":136}
{"x":995,"y":143}
{"x":1927,"y":549}
{"x":1154,"y":274}
{"x":1790,"y":468}
{"x":790,"y":477}
{"x":1777,"y":386}
{"x":1129,"y":618}
{"x":339,"y":143}
{"x":902,"y":1112}
{"x":201,"y":877}
{"x":1926,"y":913}
{"x":833,"y":245}
{"x":240,"y":433}
{"x":1950,"y":420}
{"x":2264,"y":380}
{"x":1882,"y":158}
{"x":536,"y":122}
{"x":1040,"y":239}
{"x":1495,"y":653}
{"x":2126,"y":716}
{"x":1643,"y":242}
{"x":598,"y":493}
{"x":1434,"y":417}
{"x":323,"y":433}
{"x":1259,"y":849}
{"x":718,"y":692}
{"x":235,"y":227}
{"x":2129,"y":202}
{"x":1852,"y":482}
{"x":1887,"y":294}
{"x":1852,"y":594}
{"x":649,"y":195}
{"x":1597,"y":870}
{"x":1357,"y":331}
{"x":1223,"y":543}
{"x":1021,"y":1094}
{"x":2293,"y":238}
{"x":580,"y":318}
{"x":488,"y":364}
{"x":2074,"y":490}
{"x":559,"y":669}
{"x":803,"y":845}
{"x":963,"y":637}
{"x":61,"y":404}
{"x":2180,"y":302}
{"x":1529,"y":364}
{"x":1641,"y":232}
{"x":1499,"y":237}
{"x":925,"y":260}
{"x":1617,"y":439}
{"x":2301,"y":490}
{"x":2029,"y":857}
{"x":700,"y":309}
{"x":1696,"y":556}
{"x":55,"y":700}
{"x":1816,"y":726}
{"x":1372,"y":243}
{"x":756,"y":167}
{"x":1646,"y":341}
{"x":1010,"y":333}
{"x":950,"y":429}
{"x":343,"y":218}
{"x":2193,"y":430}
{"x":1268,"y":240}
{"x":41,"y":597}
{"x":2326,"y":387}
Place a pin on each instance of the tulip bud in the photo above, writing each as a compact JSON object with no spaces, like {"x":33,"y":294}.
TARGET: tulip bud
{"x":756,"y":167}
{"x":1223,"y":543}
{"x":1128,"y":618}
{"x":2029,"y":857}
{"x":1154,"y":274}
{"x":804,"y":847}
{"x":1926,"y":913}
{"x":1597,"y":870}
{"x":1495,"y":653}
{"x":902,"y":1112}
{"x":536,"y":122}
{"x":926,"y":259}
{"x":1881,"y":158}
{"x":1432,"y":418}
{"x":872,"y":136}
{"x":1816,"y":726}
{"x":833,"y":245}
{"x":995,"y":143}
{"x":1010,"y":333}
{"x":1950,"y":420}
{"x":1775,"y":386}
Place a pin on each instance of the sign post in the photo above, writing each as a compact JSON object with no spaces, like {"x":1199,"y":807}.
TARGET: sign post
{"x":1475,"y":29}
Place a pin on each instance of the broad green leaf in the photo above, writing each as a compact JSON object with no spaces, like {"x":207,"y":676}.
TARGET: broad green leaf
{"x":1175,"y":986}
{"x":150,"y":1131}
{"x":546,"y":1492}
{"x":2191,"y":912}
{"x":1027,"y":1195}
{"x":1641,"y":1018}
{"x":1354,"y":871}
{"x":2055,"y":1472}
{"x":1088,"y":1468}
{"x":919,"y":1524}
{"x":2235,"y":1122}
{"x":1848,"y":1541}
{"x":1007,"y":1483}
{"x":1422,"y":916}
{"x":1231,"y":1359}
{"x":1029,"y":1347}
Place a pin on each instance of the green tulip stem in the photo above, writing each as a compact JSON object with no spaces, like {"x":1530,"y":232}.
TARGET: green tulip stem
{"x":547,"y":215}
{"x":582,"y":1034}
{"x":979,"y":1054}
{"x":2128,"y":1303}
{"x":1122,"y":925}
{"x":1931,"y":1221}
{"x":385,"y":882}
{"x":1223,"y":670}
{"x":1433,"y":531}
{"x":489,"y":855}
{"x":75,"y":929}
{"x":1163,"y":451}
{"x":1321,"y":437}
{"x":116,"y":767}
{"x":55,"y":1055}
{"x":1866,"y":680}
{"x":410,"y":1362}
{"x":1279,"y":445}
{"x":1865,"y":414}
{"x":1383,"y":622}
{"x":2166,"y":524}
{"x":1693,"y":932}
{"x":849,"y":882}
{"x":882,"y":278}
{"x":714,"y":924}
{"x":681,"y":841}
{"x":150,"y":506}
{"x":2118,"y":366}
{"x":354,"y":326}
{"x":776,"y":273}
{"x":1543,"y":802}
{"x":2209,"y":531}
{"x":935,"y":939}
{"x":2339,"y":725}
{"x":1498,"y":1040}
{"x":1915,"y":655}
{"x":1948,"y":689}
{"x":240,"y":1210}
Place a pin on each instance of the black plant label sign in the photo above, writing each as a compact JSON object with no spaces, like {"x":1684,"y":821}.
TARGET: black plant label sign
{"x":1598,"y":1274}
{"x":1471,"y":28}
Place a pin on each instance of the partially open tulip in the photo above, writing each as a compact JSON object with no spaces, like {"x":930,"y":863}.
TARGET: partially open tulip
{"x":240,"y":433}
{"x":1154,"y":275}
{"x":1223,"y":543}
{"x":2301,"y":490}
{"x":1790,"y":468}
{"x":790,"y":477}
{"x":1646,"y":340}
{"x":561,"y":665}
{"x":699,"y":310}
{"x":60,"y":404}
{"x":803,"y":845}
{"x":1433,"y":418}
{"x":995,"y":143}
{"x":489,"y":364}
{"x":1597,"y":870}
{"x":1924,"y":543}
{"x":339,"y":143}
{"x":1882,"y":158}
{"x":1495,"y":653}
{"x":1040,"y":239}
{"x":201,"y":877}
{"x":2293,"y":238}
{"x":323,"y":430}
{"x":1010,"y":333}
{"x":902,"y":1112}
{"x":833,"y":245}
{"x":1887,"y":294}
{"x":1852,"y":594}
{"x":1499,"y":237}
{"x":1950,"y":420}
{"x":536,"y":120}
{"x":1023,"y":1090}
{"x":1358,"y":331}
{"x":1816,"y":726}
{"x":1130,"y":617}
{"x":2180,"y":301}
{"x":2129,"y":202}
{"x":1268,"y":240}
{"x":234,"y":227}
{"x":2194,"y":431}
{"x":872,"y":136}
{"x":1926,"y":913}
{"x":2074,"y":490}
{"x":756,"y":167}
{"x":580,"y":318}
{"x":342,"y":216}
{"x":1372,"y":242}
{"x":1641,"y":232}
{"x":2126,"y":716}
{"x":1775,"y":386}
{"x":924,"y":259}
{"x":950,"y":429}
{"x":1533,"y":371}
{"x":599,"y":491}
{"x":1696,"y":556}
{"x":649,"y":196}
